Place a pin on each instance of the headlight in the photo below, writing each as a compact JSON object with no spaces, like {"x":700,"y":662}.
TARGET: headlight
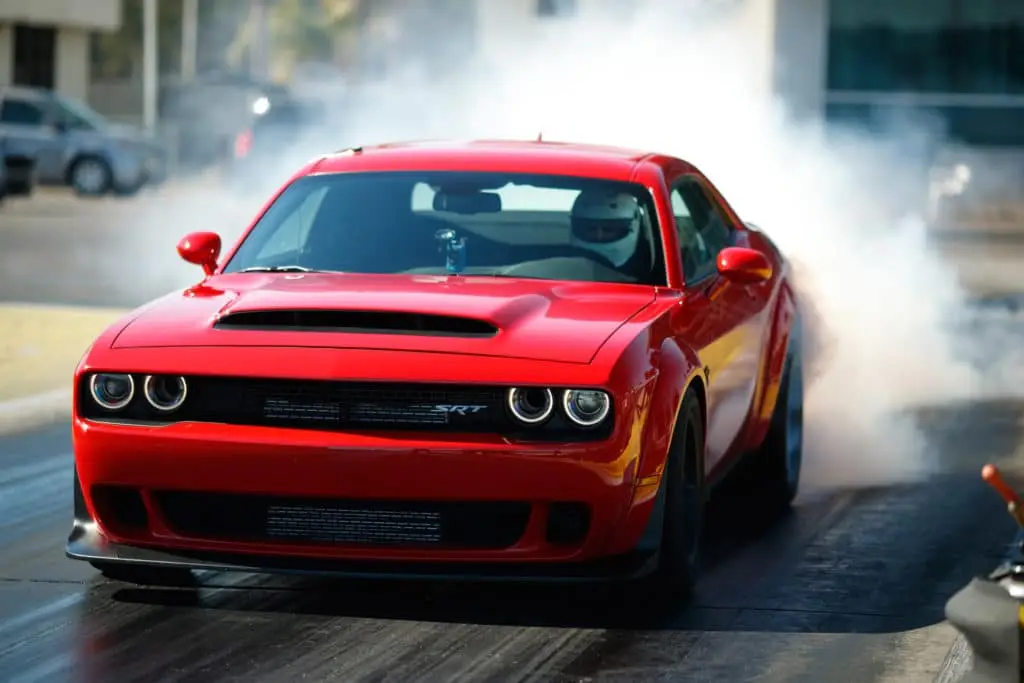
{"x":261,"y":105}
{"x":165,"y":393}
{"x":586,"y":407}
{"x":531,"y":405}
{"x":112,"y":391}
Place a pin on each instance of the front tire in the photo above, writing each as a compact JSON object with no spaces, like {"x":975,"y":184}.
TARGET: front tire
{"x":144,"y":575}
{"x":679,"y":559}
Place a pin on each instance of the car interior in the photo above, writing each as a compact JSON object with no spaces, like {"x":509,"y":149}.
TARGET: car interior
{"x":406,"y":223}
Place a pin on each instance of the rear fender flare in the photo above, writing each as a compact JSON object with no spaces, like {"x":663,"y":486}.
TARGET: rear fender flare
{"x":786,"y":339}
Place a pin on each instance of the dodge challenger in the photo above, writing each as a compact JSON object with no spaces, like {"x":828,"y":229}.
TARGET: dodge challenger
{"x":515,"y":360}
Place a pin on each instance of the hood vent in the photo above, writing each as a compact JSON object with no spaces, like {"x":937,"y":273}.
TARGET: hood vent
{"x":357,"y":322}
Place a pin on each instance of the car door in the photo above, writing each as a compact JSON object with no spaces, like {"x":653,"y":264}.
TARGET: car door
{"x":25,"y":123}
{"x":723,"y":321}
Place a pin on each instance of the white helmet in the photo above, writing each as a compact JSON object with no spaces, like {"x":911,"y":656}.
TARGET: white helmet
{"x":607,"y":224}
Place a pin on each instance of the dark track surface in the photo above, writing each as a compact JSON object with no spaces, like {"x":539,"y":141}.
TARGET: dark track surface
{"x":828,"y":594}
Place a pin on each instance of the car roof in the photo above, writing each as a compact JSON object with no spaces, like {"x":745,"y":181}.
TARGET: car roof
{"x":513,"y":156}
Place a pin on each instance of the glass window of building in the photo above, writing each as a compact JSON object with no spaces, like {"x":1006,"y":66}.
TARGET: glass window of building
{"x":960,"y":62}
{"x":938,"y":46}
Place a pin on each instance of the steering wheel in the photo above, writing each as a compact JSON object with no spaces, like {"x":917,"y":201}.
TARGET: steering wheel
{"x":570,"y":255}
{"x":580,"y":252}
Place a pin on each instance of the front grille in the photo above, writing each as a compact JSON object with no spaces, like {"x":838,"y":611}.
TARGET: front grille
{"x":479,"y":525}
{"x":341,"y":405}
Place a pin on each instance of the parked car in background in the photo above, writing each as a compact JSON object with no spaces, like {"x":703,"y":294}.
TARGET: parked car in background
{"x":73,"y":145}
{"x":266,"y":152}
{"x":210,"y":111}
{"x":17,"y":172}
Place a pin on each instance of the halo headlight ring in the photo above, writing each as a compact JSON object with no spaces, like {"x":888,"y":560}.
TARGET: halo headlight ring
{"x":96,"y":390}
{"x":170,"y":401}
{"x":572,"y":411}
{"x":530,"y":405}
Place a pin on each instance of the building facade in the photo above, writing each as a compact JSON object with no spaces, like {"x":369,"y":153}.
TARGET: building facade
{"x":45,"y":43}
{"x":960,"y":61}
{"x":957,"y":63}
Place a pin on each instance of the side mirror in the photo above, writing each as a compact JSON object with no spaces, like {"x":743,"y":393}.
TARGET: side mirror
{"x":202,"y":249}
{"x":744,"y":266}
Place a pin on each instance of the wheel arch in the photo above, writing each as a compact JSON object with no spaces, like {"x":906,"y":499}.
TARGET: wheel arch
{"x":679,"y":371}
{"x":651,"y":537}
{"x":695,"y":469}
{"x":785,"y":337}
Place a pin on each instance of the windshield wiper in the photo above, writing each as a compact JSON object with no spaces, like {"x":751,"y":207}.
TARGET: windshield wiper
{"x":277,"y":269}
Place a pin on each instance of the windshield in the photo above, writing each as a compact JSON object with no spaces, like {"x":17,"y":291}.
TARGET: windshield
{"x":78,"y":115}
{"x":435,"y":223}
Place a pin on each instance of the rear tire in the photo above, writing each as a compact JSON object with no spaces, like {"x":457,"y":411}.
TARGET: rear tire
{"x":143,"y":575}
{"x":777,"y":465}
{"x":679,"y":559}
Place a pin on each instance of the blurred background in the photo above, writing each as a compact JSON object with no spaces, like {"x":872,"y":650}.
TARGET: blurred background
{"x":208,"y":82}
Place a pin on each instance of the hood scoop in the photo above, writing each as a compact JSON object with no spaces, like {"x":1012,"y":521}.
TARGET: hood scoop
{"x":357,"y":322}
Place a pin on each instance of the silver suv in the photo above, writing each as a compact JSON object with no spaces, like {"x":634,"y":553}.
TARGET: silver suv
{"x":74,"y":145}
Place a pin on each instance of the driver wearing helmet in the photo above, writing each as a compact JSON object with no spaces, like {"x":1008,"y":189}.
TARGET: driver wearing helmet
{"x":607,"y":224}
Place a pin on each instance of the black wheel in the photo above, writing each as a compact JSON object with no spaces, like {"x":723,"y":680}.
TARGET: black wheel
{"x":144,"y":575}
{"x":679,"y":560}
{"x":775,"y":476}
{"x":90,"y":176}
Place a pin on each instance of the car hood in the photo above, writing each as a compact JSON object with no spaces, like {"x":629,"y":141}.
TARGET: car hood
{"x":503,"y":317}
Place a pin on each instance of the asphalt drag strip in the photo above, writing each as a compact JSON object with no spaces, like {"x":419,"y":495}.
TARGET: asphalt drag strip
{"x":849,"y":587}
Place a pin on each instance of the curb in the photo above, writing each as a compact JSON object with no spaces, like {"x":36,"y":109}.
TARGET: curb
{"x":31,"y":412}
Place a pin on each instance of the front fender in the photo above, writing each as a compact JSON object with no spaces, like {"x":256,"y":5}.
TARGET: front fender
{"x":678,"y":367}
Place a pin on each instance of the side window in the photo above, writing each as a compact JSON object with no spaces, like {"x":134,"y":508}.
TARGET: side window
{"x":702,"y":230}
{"x":290,"y":236}
{"x":21,"y":113}
{"x":696,"y":258}
{"x":70,"y":119}
{"x":715,"y":227}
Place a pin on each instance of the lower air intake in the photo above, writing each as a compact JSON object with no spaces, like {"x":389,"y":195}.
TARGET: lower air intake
{"x":237,"y":517}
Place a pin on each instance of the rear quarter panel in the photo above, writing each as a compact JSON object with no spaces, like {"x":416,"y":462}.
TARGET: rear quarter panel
{"x":783,"y":317}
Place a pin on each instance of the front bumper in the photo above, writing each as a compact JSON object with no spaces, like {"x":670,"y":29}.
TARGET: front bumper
{"x":621,"y":539}
{"x":87,"y":543}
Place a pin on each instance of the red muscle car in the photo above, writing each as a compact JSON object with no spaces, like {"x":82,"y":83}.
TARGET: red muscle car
{"x":484,"y":360}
